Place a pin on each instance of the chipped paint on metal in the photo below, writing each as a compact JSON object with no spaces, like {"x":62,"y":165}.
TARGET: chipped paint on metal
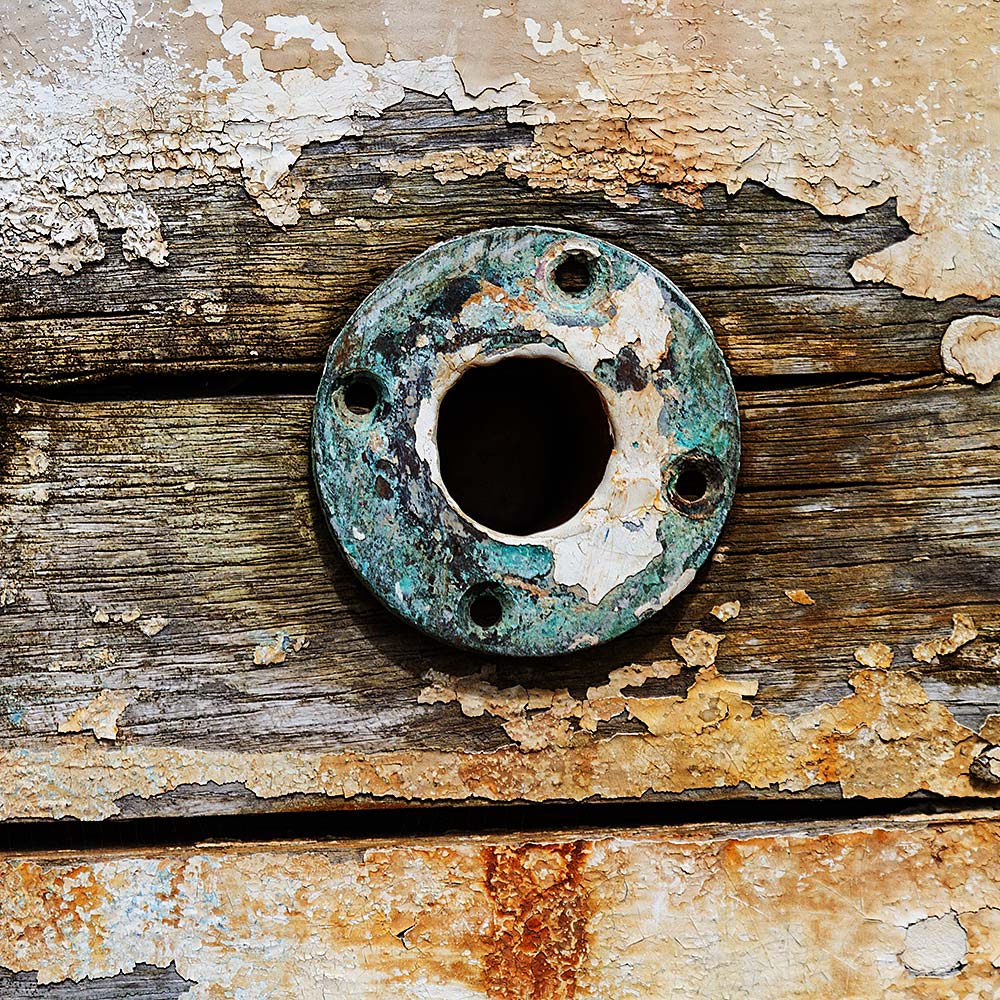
{"x":887,"y":739}
{"x":842,"y":112}
{"x":891,"y":909}
{"x":668,"y":397}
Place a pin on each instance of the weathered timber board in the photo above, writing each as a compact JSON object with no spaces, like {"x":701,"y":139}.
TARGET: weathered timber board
{"x":879,"y":499}
{"x":862,"y":911}
{"x":241,"y":296}
{"x":144,"y":982}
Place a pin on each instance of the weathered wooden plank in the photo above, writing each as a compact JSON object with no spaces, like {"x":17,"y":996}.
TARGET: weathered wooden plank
{"x":241,"y":296}
{"x":145,"y":981}
{"x":154,"y":550}
{"x":859,"y":911}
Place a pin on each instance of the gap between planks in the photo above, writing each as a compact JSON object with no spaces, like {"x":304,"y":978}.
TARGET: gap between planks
{"x":387,"y":823}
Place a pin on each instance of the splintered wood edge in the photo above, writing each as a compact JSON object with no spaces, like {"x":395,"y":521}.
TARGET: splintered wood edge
{"x":904,"y":907}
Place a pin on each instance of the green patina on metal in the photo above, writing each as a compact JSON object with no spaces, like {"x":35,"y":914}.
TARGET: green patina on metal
{"x":671,"y":409}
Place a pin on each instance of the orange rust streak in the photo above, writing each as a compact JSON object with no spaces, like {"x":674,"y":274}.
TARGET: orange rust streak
{"x":540,"y":914}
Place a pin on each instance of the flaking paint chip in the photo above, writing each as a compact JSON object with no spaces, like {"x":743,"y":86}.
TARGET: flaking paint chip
{"x":970,"y":348}
{"x":726,"y":611}
{"x":38,"y":461}
{"x":875,"y":654}
{"x":990,"y":729}
{"x":935,"y":946}
{"x":697,"y":648}
{"x":10,"y":591}
{"x":269,"y":653}
{"x":538,"y":719}
{"x":100,"y":715}
{"x":276,"y":651}
{"x":153,"y":626}
{"x":963,"y":631}
{"x":799,"y":597}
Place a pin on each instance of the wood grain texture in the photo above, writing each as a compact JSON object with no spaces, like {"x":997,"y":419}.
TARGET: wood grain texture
{"x":195,"y":521}
{"x":145,"y":981}
{"x":840,"y":911}
{"x":240,"y":296}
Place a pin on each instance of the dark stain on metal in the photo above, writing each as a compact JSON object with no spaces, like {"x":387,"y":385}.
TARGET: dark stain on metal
{"x":555,"y":581}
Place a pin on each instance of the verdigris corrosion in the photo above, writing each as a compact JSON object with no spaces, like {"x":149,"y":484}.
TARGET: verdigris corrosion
{"x":501,"y":534}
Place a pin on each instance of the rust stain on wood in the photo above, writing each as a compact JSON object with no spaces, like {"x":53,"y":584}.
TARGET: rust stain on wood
{"x":898,"y":908}
{"x":540,"y":916}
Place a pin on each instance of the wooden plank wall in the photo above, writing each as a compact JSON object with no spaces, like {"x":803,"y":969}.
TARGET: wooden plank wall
{"x":180,"y":641}
{"x":899,"y":908}
{"x":176,"y":487}
{"x":243,"y":298}
{"x":169,"y":549}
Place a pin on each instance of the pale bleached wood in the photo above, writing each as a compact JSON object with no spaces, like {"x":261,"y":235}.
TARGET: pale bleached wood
{"x":144,"y":981}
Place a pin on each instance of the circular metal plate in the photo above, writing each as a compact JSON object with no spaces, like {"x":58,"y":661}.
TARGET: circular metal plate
{"x":664,"y":496}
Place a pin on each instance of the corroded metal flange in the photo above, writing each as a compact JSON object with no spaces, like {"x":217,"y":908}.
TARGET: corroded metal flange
{"x":509,"y":308}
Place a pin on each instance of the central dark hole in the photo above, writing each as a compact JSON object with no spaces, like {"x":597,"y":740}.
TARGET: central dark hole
{"x":523,"y":443}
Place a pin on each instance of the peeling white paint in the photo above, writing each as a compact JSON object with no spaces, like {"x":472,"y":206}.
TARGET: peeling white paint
{"x":100,"y":715}
{"x":970,"y":348}
{"x":936,"y":946}
{"x":834,"y":111}
{"x":615,"y":534}
{"x":775,"y":914}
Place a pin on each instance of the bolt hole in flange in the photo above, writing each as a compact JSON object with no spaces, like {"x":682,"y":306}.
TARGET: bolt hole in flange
{"x":523,"y":443}
{"x":526,"y":441}
{"x":575,"y":278}
{"x":574,"y":273}
{"x":361,"y":395}
{"x":484,"y":605}
{"x":694,"y":482}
